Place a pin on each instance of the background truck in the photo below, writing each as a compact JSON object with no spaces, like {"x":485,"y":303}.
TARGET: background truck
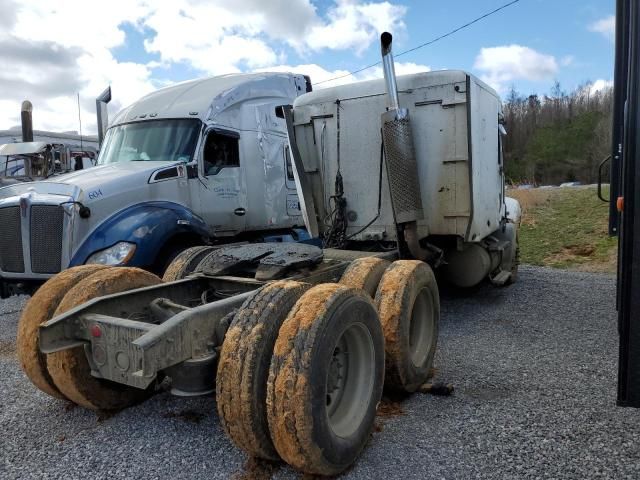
{"x":203,"y":161}
{"x":50,"y":154}
{"x":32,"y":161}
{"x":298,"y":341}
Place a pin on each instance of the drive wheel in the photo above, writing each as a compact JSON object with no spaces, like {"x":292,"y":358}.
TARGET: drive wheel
{"x":326,"y":379}
{"x":409,"y":306}
{"x":185,"y":263}
{"x":243,"y":369}
{"x":70,"y":369}
{"x":38,"y":310}
{"x":365,"y":274}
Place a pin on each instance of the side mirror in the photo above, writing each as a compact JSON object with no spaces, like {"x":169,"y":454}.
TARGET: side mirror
{"x":192,"y":170}
{"x":280,"y":110}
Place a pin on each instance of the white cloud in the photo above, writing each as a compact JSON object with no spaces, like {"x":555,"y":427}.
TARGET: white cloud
{"x":55,"y":52}
{"x":501,"y":65}
{"x":605,"y":26}
{"x":354,"y":25}
{"x":57,"y":48}
{"x":316,"y":72}
{"x":231,"y":40}
{"x":401,"y":68}
{"x":600,"y":85}
{"x":320,"y":75}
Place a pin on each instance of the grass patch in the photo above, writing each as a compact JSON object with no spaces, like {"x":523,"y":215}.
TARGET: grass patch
{"x":566,"y":228}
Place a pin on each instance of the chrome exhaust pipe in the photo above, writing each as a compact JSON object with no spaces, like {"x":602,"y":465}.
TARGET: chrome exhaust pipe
{"x":400,"y":160}
{"x":27,"y":121}
{"x":389,"y":71}
{"x":102,"y":113}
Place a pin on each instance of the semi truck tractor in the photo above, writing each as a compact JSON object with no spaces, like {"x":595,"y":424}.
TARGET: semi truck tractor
{"x":204,"y":161}
{"x":399,"y":178}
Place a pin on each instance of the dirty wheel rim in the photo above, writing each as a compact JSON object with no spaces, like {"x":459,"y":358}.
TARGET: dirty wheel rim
{"x":421,"y":328}
{"x":350,"y":380}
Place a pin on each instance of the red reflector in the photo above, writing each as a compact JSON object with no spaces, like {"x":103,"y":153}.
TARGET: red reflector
{"x":95,"y":331}
{"x":620,"y":204}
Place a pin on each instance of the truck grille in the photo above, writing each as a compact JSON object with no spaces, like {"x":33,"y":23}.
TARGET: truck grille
{"x":46,"y":238}
{"x":11,"y":259}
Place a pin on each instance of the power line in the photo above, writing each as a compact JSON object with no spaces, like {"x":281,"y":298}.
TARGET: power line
{"x":430,"y":42}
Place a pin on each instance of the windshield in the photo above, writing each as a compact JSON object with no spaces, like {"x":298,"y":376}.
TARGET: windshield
{"x":13,"y":167}
{"x":153,"y":140}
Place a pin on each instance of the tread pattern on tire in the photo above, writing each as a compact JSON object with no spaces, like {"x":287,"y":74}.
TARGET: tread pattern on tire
{"x":185,"y":262}
{"x":243,"y":368}
{"x":289,"y":391}
{"x":40,"y":308}
{"x":394,"y":301}
{"x":70,"y":369}
{"x":365,"y":274}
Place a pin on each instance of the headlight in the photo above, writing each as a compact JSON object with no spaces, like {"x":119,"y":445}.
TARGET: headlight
{"x":118,"y":254}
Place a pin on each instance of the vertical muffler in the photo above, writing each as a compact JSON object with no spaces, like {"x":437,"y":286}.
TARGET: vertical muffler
{"x":400,"y":158}
{"x":103,"y":116}
{"x":27,"y":121}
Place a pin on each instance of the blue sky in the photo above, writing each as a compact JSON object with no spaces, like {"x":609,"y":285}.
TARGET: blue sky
{"x":560,"y":28}
{"x":137,"y":46}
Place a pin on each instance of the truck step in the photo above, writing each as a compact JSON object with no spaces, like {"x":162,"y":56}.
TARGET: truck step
{"x":501,"y":278}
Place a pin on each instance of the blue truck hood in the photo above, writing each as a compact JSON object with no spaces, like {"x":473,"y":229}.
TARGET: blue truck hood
{"x":83,"y":182}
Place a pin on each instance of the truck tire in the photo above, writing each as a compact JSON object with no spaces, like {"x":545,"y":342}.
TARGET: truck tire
{"x":243,"y":368}
{"x":38,"y":310}
{"x":185,"y":263}
{"x":70,"y":369}
{"x":409,"y":306}
{"x":516,"y":263}
{"x":365,"y":274}
{"x":326,"y":379}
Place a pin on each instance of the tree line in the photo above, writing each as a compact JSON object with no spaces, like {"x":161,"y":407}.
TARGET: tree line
{"x":555,"y":138}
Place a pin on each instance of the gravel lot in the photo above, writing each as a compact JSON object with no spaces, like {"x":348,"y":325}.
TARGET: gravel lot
{"x":534,"y":367}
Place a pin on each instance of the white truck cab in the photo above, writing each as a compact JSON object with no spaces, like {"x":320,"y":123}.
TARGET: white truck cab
{"x":202,"y":161}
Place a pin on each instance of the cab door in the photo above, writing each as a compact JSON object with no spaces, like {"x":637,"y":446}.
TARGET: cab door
{"x":222,"y":185}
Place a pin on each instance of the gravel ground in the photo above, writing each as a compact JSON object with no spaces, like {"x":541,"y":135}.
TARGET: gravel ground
{"x":534,"y":368}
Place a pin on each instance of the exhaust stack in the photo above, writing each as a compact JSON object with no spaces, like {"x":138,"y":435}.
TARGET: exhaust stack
{"x":399,"y":153}
{"x":400,"y":159}
{"x":389,"y":71}
{"x":27,"y":121}
{"x":103,"y":115}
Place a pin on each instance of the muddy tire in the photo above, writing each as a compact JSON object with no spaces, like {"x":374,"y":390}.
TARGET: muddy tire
{"x":185,"y":263}
{"x":243,"y":368}
{"x":409,"y":307}
{"x":326,"y":379}
{"x":365,"y":274}
{"x":70,"y":369}
{"x":39,"y":309}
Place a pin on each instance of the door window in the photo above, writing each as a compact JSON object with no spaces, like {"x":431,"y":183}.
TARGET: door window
{"x":220,"y":151}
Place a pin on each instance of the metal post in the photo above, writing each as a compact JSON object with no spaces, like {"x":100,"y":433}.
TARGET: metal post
{"x":628,"y":85}
{"x":619,"y":97}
